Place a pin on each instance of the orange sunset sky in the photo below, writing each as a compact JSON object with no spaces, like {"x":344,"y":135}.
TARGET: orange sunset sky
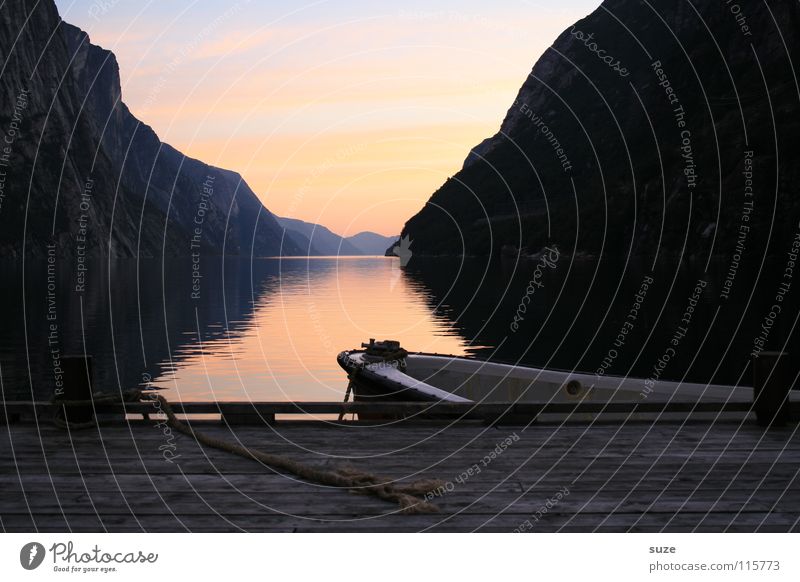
{"x":347,"y":114}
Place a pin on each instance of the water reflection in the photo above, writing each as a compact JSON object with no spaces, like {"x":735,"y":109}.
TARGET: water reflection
{"x":668,"y":320}
{"x":266,"y":329}
{"x":270,"y":329}
{"x":308,"y":311}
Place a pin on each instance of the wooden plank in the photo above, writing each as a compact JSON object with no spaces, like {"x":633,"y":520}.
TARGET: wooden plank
{"x":313,"y":499}
{"x":645,"y":477}
{"x":27,"y":439}
{"x":278,"y":483}
{"x":652,"y":522}
{"x":493,"y":412}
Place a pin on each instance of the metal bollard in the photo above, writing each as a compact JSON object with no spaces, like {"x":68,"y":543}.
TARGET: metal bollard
{"x":772,"y":382}
{"x":78,"y":380}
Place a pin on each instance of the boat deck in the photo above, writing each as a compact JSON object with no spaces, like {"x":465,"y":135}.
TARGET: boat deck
{"x":667,"y":476}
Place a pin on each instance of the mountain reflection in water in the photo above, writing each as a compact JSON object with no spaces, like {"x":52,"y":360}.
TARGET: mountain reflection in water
{"x":270,"y":329}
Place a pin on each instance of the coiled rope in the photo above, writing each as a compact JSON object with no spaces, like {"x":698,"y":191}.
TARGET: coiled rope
{"x":407,"y":496}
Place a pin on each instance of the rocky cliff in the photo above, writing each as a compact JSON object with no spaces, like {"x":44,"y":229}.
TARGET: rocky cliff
{"x":653,"y":128}
{"x":80,"y":173}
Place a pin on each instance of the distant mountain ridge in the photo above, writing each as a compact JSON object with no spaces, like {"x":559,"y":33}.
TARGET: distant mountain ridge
{"x":317,"y":240}
{"x":371,"y":243}
{"x":83,"y":175}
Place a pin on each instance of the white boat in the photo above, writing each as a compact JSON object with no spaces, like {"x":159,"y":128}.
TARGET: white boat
{"x":385,"y":372}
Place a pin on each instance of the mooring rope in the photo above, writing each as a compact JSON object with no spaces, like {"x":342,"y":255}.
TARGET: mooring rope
{"x":350,"y":383}
{"x":397,"y":355}
{"x":407,"y":496}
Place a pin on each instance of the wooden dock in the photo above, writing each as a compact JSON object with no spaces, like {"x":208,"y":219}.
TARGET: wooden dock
{"x":689,"y":475}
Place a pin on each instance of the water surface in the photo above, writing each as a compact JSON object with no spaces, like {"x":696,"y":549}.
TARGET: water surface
{"x":266,"y":329}
{"x":270,"y":329}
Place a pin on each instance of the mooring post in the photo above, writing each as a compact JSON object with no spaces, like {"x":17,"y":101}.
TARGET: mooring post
{"x":7,"y":384}
{"x":772,"y":383}
{"x":76,"y":384}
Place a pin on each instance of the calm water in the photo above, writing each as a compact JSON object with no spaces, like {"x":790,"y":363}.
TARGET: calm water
{"x":266,"y":330}
{"x":270,"y":329}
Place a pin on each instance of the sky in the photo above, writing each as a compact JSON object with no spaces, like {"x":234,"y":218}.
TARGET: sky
{"x":347,"y":113}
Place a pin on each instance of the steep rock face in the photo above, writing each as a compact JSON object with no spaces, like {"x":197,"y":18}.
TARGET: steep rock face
{"x":647,"y":128}
{"x":81,"y":172}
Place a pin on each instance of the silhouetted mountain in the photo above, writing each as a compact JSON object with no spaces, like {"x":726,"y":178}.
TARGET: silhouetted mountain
{"x":80,"y":171}
{"x":652,"y":128}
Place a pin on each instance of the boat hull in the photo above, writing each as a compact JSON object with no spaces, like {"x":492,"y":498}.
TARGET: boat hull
{"x":422,"y":377}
